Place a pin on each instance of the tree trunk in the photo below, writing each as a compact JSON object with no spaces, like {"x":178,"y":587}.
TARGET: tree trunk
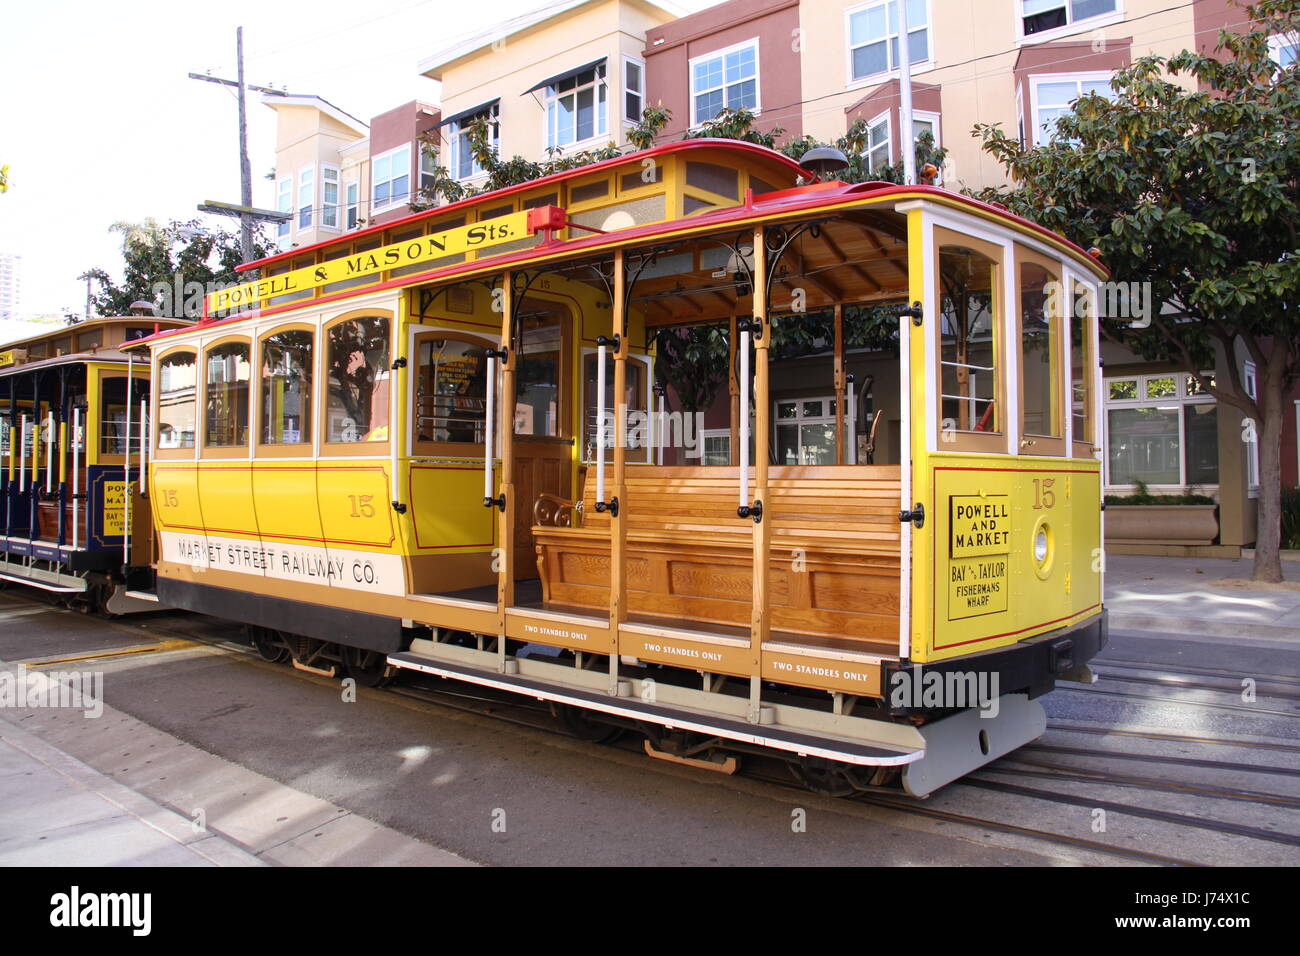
{"x":1268,"y":533}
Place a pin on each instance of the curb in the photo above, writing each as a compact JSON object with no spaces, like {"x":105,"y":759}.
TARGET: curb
{"x":1190,"y":627}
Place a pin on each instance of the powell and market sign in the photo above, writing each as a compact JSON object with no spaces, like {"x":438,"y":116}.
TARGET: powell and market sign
{"x":479,"y":235}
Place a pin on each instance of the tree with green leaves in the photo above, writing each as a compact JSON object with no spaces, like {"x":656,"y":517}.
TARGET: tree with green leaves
{"x":4,"y":179}
{"x":1188,"y":178}
{"x":154,"y":254}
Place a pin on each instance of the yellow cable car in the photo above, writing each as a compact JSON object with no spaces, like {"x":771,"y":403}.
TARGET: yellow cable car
{"x":690,"y":442}
{"x":69,"y":525}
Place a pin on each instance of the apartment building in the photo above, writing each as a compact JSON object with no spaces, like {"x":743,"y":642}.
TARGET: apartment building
{"x":577,"y":74}
{"x":10,"y":285}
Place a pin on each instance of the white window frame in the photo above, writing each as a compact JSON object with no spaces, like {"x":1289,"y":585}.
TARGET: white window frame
{"x":1279,"y":40}
{"x":1250,"y":382}
{"x":648,"y":362}
{"x":352,"y":205}
{"x":1180,"y":398}
{"x":309,"y":173}
{"x":327,"y":208}
{"x":551,"y":97}
{"x":1031,"y":121}
{"x":284,"y":197}
{"x":454,"y":131}
{"x":826,"y":418}
{"x":375,"y":181}
{"x":708,"y":433}
{"x":1071,"y":27}
{"x":697,"y":121}
{"x":626,"y":89}
{"x":887,"y":119}
{"x":874,"y":79}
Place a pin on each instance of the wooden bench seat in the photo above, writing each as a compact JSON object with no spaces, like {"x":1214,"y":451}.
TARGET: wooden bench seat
{"x":834,"y":560}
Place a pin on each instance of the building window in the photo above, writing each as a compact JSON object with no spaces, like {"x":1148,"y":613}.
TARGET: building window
{"x":463,"y":165}
{"x":306,"y":196}
{"x":1284,"y":49}
{"x":575,"y":108}
{"x":391,"y":178}
{"x":805,"y":431}
{"x":873,"y":37}
{"x":353,"y":210}
{"x":116,"y":405}
{"x":970,"y":329}
{"x":1251,"y":436}
{"x":286,"y":387}
{"x":878,"y":140}
{"x":428,"y":165}
{"x":284,"y":203}
{"x":635,"y":397}
{"x":1038,"y":16}
{"x":726,"y":79}
{"x":329,"y":197}
{"x":717,"y":446}
{"x":1053,"y":97}
{"x":1160,"y":430}
{"x":227,"y":375}
{"x":633,"y":90}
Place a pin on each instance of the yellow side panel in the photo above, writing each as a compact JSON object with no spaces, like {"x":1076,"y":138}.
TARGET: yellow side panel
{"x":447,"y":508}
{"x":355,"y":504}
{"x":226,"y":497}
{"x":284,"y":495}
{"x":174,"y":487}
{"x":984,"y":588}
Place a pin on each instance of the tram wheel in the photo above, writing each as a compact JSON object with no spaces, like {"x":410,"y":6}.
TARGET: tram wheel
{"x":576,"y":722}
{"x":269,"y":645}
{"x":367,"y":668}
{"x":823,"y":776}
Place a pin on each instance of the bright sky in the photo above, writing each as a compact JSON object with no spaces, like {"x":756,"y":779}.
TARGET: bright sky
{"x":99,"y":123}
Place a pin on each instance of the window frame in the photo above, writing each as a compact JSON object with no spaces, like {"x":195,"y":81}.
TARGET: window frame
{"x":375,"y":205}
{"x":625,"y":89}
{"x":155,"y":399}
{"x":1275,"y":44}
{"x":721,"y":53}
{"x":1070,"y":27}
{"x":886,"y":118}
{"x":1088,"y":446}
{"x":224,"y":451}
{"x":350,"y":449}
{"x":445,"y":449}
{"x":454,"y":133}
{"x":630,"y":454}
{"x":1250,"y":382}
{"x":551,"y":96}
{"x":873,"y":79}
{"x":1034,"y":80}
{"x":327,"y":207}
{"x":299,"y":449}
{"x":992,"y":442}
{"x":94,"y":442}
{"x":304,"y":217}
{"x":1031,"y":443}
{"x":352,"y":205}
{"x":284,"y":199}
{"x":1180,"y":398}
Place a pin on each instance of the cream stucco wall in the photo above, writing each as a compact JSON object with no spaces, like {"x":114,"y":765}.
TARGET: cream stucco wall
{"x":307,"y":136}
{"x":974,"y":48}
{"x":507,"y":68}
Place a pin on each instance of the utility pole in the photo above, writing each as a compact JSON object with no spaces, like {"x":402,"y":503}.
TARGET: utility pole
{"x":906,"y":142}
{"x":245,"y":211}
{"x":87,"y":276}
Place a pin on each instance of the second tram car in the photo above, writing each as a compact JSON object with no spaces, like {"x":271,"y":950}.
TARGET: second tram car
{"x":681,"y":442}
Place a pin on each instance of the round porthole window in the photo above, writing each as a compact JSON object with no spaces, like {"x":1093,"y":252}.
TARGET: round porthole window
{"x":1043,"y":548}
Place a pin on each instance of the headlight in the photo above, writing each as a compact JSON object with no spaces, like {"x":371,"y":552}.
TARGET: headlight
{"x":1040,"y":546}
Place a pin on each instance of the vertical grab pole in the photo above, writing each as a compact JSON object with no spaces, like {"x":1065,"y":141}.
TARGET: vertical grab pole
{"x":600,"y":427}
{"x":744,"y":419}
{"x":49,"y":452}
{"x":760,"y":510}
{"x":76,"y":475}
{"x":15,"y":451}
{"x":661,"y":429}
{"x":126,"y":464}
{"x":144,"y":447}
{"x":490,"y":438}
{"x":851,"y":423}
{"x":22,"y":457}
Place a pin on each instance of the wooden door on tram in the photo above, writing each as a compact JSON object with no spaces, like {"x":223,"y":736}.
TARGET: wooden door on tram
{"x":543,"y":422}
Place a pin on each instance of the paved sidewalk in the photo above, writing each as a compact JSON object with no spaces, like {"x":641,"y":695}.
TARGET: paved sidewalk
{"x":1212,"y":597}
{"x":60,"y":807}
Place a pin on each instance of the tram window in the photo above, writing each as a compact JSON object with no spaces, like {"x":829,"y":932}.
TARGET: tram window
{"x":286,"y":387}
{"x":177,"y":379}
{"x":113,"y":406}
{"x":227,"y":373}
{"x":451,"y":392}
{"x":90,"y":340}
{"x":634,"y":397}
{"x":1040,"y":298}
{"x":537,"y":384}
{"x":968,"y":341}
{"x":1081,"y":367}
{"x":357,"y":374}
